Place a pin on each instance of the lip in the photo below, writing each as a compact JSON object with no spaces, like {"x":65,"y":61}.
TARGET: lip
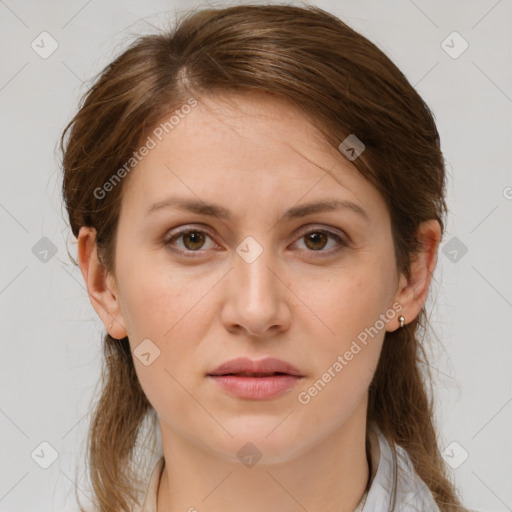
{"x":256,"y":388}
{"x":280,"y":377}
{"x":266,"y":365}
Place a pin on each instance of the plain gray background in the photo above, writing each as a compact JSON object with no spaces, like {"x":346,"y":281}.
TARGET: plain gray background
{"x":50,"y":335}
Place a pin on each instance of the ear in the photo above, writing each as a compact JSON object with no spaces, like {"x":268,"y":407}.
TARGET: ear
{"x":412,"y":293}
{"x":100,"y":284}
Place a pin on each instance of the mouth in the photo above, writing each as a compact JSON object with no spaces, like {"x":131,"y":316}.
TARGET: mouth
{"x":262,"y":368}
{"x":256,"y":380}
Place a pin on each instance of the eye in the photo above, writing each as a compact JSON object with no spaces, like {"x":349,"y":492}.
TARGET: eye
{"x":318,"y":239}
{"x":192,"y":240}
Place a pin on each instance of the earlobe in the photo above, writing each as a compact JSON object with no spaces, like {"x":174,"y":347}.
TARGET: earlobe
{"x":100,"y":284}
{"x":412,"y":293}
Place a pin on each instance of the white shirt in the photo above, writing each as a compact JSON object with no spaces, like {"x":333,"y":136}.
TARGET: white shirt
{"x":412,"y":493}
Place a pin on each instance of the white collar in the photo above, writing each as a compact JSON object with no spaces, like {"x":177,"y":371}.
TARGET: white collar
{"x":412,"y":494}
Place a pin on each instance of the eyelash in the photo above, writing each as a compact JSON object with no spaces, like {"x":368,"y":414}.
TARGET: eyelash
{"x":188,"y":253}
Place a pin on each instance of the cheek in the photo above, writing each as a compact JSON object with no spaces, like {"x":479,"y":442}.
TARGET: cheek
{"x":154,"y":297}
{"x":345,"y":366}
{"x":170,"y":308}
{"x":350,"y":303}
{"x":175,"y":321}
{"x":351,"y":307}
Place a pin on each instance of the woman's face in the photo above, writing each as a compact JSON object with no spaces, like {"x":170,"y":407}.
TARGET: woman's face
{"x":257,"y":275}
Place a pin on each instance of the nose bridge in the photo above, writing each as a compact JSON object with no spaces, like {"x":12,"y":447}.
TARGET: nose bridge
{"x":257,"y":282}
{"x":256,"y":298}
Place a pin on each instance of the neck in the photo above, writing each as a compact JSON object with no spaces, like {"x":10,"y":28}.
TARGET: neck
{"x":331,"y":476}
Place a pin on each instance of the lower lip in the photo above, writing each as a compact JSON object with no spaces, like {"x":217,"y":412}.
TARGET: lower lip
{"x":256,"y":388}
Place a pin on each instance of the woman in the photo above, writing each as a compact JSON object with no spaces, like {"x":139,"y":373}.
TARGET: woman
{"x":258,"y":198}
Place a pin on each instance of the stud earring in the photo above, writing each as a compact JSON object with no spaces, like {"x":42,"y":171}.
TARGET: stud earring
{"x":401,"y":319}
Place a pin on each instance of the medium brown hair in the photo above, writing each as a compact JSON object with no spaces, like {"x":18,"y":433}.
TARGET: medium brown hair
{"x":342,"y":83}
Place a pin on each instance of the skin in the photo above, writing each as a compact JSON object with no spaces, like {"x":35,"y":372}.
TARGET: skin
{"x":257,"y":156}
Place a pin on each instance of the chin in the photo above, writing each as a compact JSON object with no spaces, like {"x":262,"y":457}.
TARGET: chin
{"x":258,"y":441}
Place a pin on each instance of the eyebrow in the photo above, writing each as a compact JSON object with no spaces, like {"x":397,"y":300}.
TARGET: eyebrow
{"x":217,"y":211}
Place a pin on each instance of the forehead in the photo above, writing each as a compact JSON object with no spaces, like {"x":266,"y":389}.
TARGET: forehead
{"x":250,"y":144}
{"x":251,"y":128}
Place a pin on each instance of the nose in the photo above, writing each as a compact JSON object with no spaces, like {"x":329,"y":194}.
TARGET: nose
{"x":256,"y":298}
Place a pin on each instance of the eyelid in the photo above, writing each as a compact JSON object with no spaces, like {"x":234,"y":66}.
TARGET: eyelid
{"x":328,"y":230}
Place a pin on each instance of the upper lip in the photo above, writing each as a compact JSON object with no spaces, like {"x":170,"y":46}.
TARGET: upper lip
{"x":267,"y":365}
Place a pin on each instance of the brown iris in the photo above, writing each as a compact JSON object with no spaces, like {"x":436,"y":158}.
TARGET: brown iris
{"x":196,"y":240}
{"x":315,"y":239}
